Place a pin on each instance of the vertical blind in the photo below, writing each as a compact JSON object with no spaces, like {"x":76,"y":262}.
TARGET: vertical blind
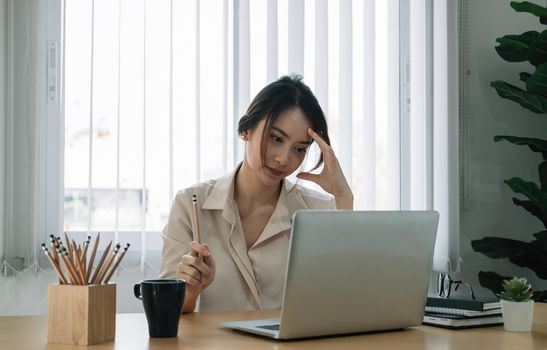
{"x":153,"y":91}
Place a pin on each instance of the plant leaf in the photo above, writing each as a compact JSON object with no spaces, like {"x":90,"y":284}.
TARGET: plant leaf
{"x":542,"y":170}
{"x":492,"y":281}
{"x":528,"y":46}
{"x":541,"y":235}
{"x":520,"y":253}
{"x":536,"y":145}
{"x":498,"y":248}
{"x":516,"y":48}
{"x":541,"y":240}
{"x":537,"y":83}
{"x":534,"y":260}
{"x":524,"y":76}
{"x":533,"y":102}
{"x":532,"y":209}
{"x":516,"y":289}
{"x":527,"y":188}
{"x":529,"y":7}
{"x":537,"y":53}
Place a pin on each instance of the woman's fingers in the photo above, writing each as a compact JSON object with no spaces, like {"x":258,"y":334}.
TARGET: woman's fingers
{"x":323,"y":145}
{"x":199,"y":249}
{"x":198,"y":265}
{"x":331,"y":178}
{"x":190,"y":278}
{"x":208,"y":275}
{"x":208,"y":260}
{"x":331,"y":161}
{"x":188,"y":273}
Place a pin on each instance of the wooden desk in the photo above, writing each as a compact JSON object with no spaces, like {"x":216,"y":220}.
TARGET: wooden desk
{"x":202,"y":331}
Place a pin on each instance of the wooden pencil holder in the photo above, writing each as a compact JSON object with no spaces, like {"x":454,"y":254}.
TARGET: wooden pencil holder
{"x":81,"y":315}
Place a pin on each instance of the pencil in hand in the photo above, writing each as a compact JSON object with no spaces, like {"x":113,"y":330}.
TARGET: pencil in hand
{"x":196,"y":233}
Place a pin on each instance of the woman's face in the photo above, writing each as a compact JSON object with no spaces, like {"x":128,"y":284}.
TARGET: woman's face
{"x":286,"y":146}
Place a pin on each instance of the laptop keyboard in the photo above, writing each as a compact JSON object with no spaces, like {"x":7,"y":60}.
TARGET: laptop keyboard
{"x":271,"y":327}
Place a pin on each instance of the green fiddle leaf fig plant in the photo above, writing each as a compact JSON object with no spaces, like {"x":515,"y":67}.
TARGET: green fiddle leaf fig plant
{"x":516,"y":289}
{"x":530,"y":46}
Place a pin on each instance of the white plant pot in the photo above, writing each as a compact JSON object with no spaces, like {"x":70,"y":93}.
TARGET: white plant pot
{"x":517,"y":316}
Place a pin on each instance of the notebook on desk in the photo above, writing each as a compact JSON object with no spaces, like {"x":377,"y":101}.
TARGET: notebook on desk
{"x":462,"y":307}
{"x":480,"y":304}
{"x":462,"y":322}
{"x":352,"y":272}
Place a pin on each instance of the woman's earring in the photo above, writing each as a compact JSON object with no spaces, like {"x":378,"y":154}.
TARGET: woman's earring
{"x":243,"y":137}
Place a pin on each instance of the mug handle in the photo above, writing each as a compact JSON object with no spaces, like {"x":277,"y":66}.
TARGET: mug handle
{"x":137,"y":291}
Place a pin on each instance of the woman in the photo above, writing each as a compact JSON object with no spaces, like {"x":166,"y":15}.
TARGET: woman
{"x":245,"y":216}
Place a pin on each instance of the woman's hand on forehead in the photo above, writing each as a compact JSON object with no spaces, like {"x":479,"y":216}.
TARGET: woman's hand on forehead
{"x":331,"y":178}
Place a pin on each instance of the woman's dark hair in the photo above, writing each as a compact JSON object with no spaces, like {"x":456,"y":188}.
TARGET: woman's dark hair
{"x":285,"y":93}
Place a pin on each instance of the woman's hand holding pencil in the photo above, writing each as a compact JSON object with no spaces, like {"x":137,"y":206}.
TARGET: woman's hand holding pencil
{"x":77,"y":268}
{"x":197,"y":267}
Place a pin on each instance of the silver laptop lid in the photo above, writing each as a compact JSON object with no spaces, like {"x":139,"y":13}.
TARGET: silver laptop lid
{"x":355,"y":271}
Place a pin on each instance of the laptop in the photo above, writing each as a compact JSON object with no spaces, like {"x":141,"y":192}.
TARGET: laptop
{"x":352,"y":272}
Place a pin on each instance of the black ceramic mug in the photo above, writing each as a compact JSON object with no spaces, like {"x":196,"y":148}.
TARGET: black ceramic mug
{"x":162,"y":301}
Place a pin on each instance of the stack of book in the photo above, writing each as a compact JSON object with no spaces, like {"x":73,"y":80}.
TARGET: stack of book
{"x":462,"y":313}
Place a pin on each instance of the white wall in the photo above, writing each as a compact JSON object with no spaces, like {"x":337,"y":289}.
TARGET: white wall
{"x":491,"y":211}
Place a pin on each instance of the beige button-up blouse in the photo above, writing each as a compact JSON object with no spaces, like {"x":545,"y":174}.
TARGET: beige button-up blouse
{"x":245,"y":279}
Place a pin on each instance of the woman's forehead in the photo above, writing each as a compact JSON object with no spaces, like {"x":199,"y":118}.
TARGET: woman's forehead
{"x":294,"y":123}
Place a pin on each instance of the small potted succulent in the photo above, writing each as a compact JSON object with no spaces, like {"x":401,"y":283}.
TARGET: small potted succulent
{"x":516,"y":305}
